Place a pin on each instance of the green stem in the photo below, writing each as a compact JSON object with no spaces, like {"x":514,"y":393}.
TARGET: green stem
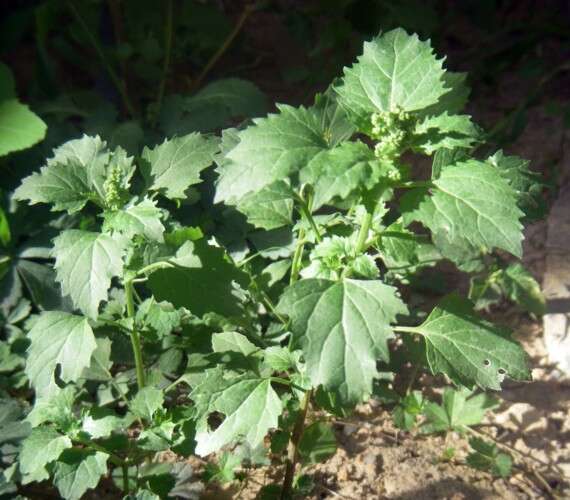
{"x":297,"y":257}
{"x":167,"y":55}
{"x":363,"y":234}
{"x":414,"y":184}
{"x":306,"y":212}
{"x":268,"y":302}
{"x":406,"y":329}
{"x":125,"y":469}
{"x":119,"y":84}
{"x":135,"y":339}
{"x":293,"y":448}
{"x":161,"y":264}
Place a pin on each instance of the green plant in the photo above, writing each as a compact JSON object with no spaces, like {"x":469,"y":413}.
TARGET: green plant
{"x":197,"y":327}
{"x":21,"y":128}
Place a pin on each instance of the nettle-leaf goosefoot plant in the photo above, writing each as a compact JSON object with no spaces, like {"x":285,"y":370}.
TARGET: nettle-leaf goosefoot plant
{"x":238,"y":329}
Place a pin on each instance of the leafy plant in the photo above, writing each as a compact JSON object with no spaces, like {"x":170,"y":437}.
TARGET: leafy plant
{"x":21,"y":128}
{"x":195,"y":327}
{"x":486,"y":456}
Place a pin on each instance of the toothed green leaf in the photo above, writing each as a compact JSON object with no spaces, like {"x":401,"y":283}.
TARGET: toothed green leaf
{"x":445,"y":131}
{"x":521,"y":287}
{"x":208,"y":272}
{"x":77,"y":471}
{"x":147,"y":402}
{"x":85,"y":263}
{"x":339,"y":172}
{"x":271,"y":150}
{"x":343,"y":328}
{"x":175,"y":165}
{"x":459,"y":409}
{"x":470,"y":350}
{"x":269,"y":208}
{"x":42,"y":447}
{"x":470,"y":207}
{"x":395,"y":71}
{"x":250,"y":406}
{"x":58,"y":338}
{"x":142,"y":218}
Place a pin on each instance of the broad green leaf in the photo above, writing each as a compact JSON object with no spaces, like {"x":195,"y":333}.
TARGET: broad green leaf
{"x":43,"y":446}
{"x":202,"y":281}
{"x":102,"y":422}
{"x":40,"y":281}
{"x":175,"y":165}
{"x":157,"y":437}
{"x":242,"y":97}
{"x":468,"y":349}
{"x":318,"y":443}
{"x":92,"y":153}
{"x":55,"y":408}
{"x":281,"y":358}
{"x":521,"y":287}
{"x":445,"y":132}
{"x":274,"y":272}
{"x":339,"y":172}
{"x":486,"y":456}
{"x":343,"y":328}
{"x":162,"y":317}
{"x":99,"y":368}
{"x":470,"y":207}
{"x":406,"y":412}
{"x":445,"y":157}
{"x":85,"y":263}
{"x":147,"y":402}
{"x":395,"y":71}
{"x":212,"y":107}
{"x":20,"y":128}
{"x":250,"y":406}
{"x":269,"y":208}
{"x":64,"y":185}
{"x":58,"y":338}
{"x":485,"y":291}
{"x":456,"y":95}
{"x":398,"y":246}
{"x":270,"y":150}
{"x":224,"y":470}
{"x":13,"y":428}
{"x":527,"y":184}
{"x":77,"y":471}
{"x":232,"y":341}
{"x":459,"y":409}
{"x":142,"y":218}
